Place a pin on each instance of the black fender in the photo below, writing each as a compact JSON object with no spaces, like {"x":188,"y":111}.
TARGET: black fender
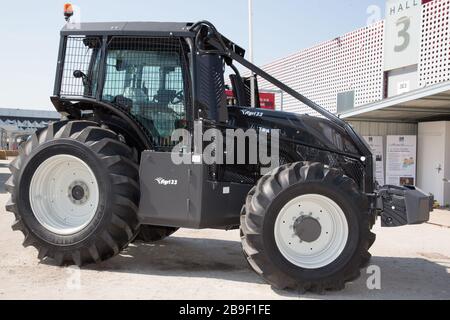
{"x":109,"y":114}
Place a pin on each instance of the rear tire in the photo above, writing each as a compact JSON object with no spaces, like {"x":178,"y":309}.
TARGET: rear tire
{"x":335,"y":228}
{"x":151,"y":234}
{"x":96,"y":216}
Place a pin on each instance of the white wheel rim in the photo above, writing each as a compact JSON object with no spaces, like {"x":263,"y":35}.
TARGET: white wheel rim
{"x":333,"y":231}
{"x":56,"y":197}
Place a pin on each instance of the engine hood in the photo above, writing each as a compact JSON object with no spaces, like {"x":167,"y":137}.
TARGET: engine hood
{"x":311,"y":131}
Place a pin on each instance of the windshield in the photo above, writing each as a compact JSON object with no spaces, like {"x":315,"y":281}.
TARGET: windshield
{"x":148,"y":81}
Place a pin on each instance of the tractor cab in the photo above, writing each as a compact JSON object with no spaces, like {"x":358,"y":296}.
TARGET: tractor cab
{"x":151,"y":71}
{"x":126,"y":66}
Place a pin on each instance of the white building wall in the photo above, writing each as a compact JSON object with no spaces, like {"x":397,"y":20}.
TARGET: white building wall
{"x":434,"y":65}
{"x":351,"y":62}
{"x":355,"y":61}
{"x":402,"y":80}
{"x":375,"y":128}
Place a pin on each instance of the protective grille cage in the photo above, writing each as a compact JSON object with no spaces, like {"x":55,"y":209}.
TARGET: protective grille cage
{"x":144,"y":75}
{"x":82,"y":54}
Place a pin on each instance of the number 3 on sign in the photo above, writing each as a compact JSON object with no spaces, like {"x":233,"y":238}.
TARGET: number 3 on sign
{"x":404,"y":23}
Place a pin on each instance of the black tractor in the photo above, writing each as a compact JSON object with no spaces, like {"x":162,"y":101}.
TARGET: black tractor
{"x":85,"y":187}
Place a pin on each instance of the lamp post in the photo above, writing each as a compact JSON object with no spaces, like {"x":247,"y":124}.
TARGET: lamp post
{"x":250,"y":51}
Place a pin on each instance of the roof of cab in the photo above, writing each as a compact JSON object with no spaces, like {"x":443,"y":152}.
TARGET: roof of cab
{"x":129,"y":28}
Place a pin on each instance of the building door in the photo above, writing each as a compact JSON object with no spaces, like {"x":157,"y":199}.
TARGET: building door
{"x":433,"y":160}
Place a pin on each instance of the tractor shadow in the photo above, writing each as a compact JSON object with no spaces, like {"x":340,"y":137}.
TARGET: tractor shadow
{"x":184,"y":257}
{"x":223,"y":259}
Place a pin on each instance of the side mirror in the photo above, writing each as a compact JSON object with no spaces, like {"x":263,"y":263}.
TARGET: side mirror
{"x":80,"y":74}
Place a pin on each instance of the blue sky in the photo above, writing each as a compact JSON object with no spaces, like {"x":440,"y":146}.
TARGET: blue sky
{"x":29,"y":31}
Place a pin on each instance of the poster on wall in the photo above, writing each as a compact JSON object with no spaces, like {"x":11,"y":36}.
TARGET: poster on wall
{"x":401,"y":160}
{"x":376,"y":144}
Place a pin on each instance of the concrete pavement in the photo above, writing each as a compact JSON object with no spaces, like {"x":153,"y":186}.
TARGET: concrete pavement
{"x":208,"y":264}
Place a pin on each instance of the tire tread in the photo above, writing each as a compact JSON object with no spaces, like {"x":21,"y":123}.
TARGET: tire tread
{"x":260,"y":198}
{"x":123,"y":171}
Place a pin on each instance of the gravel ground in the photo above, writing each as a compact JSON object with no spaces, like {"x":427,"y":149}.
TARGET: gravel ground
{"x":208,"y":264}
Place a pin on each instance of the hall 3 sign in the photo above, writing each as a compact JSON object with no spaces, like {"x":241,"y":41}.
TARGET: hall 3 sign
{"x":402,"y":33}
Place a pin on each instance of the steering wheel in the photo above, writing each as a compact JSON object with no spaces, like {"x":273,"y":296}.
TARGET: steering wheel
{"x":178,"y":98}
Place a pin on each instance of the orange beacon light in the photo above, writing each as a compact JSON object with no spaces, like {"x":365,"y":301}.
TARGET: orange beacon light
{"x":68,"y":11}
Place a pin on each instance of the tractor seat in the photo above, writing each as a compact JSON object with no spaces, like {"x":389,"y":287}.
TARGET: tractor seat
{"x":138,"y":95}
{"x":165,"y":97}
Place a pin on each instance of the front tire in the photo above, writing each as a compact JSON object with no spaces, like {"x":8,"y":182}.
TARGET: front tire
{"x":306,"y":226}
{"x":75,"y":193}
